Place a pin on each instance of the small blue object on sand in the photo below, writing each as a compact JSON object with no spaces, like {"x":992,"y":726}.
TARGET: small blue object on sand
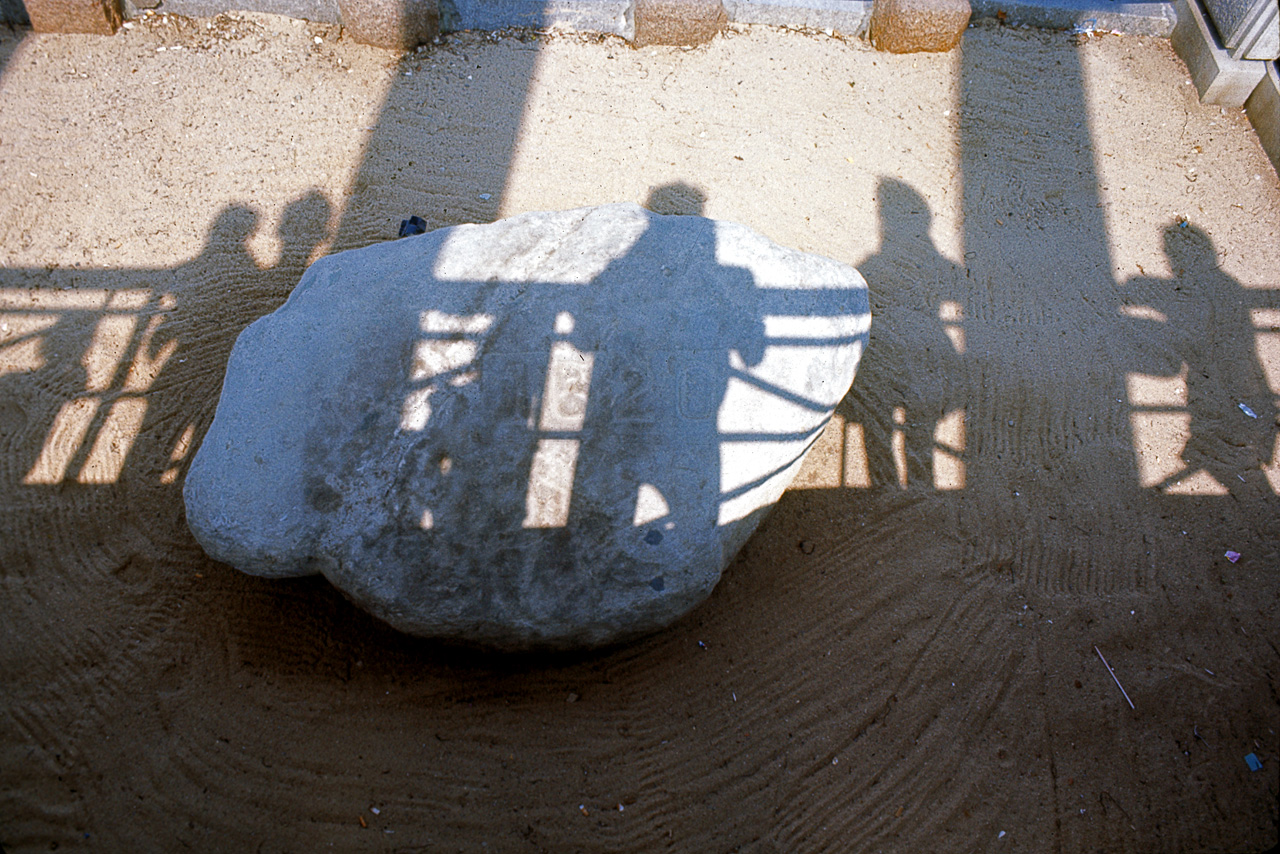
{"x":1254,"y":763}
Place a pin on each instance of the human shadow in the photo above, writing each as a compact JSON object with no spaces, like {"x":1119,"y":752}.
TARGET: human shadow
{"x":910,"y":379}
{"x":643,"y":363}
{"x":1199,"y":362}
{"x":148,"y":349}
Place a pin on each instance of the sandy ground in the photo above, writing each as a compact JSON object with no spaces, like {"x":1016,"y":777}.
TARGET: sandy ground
{"x":1075,"y":272}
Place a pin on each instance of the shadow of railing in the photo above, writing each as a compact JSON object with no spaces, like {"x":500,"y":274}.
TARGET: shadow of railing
{"x":833,"y":645}
{"x":468,"y":412}
{"x":120,"y":329}
{"x":1036,"y":320}
{"x":144,"y":349}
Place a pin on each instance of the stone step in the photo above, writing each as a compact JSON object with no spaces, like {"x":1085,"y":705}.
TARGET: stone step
{"x":1217,"y":77}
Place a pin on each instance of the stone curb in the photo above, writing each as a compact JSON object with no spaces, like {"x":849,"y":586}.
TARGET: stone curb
{"x":1130,"y":19}
{"x":849,"y":17}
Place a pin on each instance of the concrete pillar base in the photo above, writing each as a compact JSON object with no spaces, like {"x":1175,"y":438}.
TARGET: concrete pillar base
{"x":1217,"y":77}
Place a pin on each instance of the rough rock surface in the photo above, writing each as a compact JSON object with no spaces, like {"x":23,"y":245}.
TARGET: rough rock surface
{"x":911,"y":26}
{"x":677,"y":22}
{"x":94,"y":17}
{"x":392,"y":24}
{"x":552,"y":431}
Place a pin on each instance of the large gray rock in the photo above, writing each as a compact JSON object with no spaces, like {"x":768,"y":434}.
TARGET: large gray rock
{"x":552,"y":431}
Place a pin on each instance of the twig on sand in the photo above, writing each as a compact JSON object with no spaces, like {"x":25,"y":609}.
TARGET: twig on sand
{"x":1117,"y":681}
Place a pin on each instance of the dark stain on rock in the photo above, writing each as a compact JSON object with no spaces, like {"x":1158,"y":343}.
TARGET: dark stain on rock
{"x":321,"y":496}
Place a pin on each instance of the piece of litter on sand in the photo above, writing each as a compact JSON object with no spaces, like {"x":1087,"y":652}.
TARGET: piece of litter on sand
{"x":1254,"y":763}
{"x":1232,"y":556}
{"x":413,"y":225}
{"x":1247,"y":411}
{"x":1000,"y":835}
{"x":1117,"y":681}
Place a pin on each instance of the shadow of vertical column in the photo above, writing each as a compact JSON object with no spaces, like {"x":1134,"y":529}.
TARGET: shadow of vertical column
{"x":444,"y":140}
{"x":14,"y":25}
{"x":1039,"y":313}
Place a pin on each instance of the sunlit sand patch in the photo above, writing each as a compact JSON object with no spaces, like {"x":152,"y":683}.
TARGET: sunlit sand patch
{"x":20,"y":346}
{"x":898,"y":446}
{"x":857,"y":469}
{"x":1158,"y":440}
{"x":114,"y":440}
{"x":1267,"y":322}
{"x":179,"y":453}
{"x":951,"y":313}
{"x":1197,"y":483}
{"x":948,"y":451}
{"x":115,"y":336}
{"x":1146,"y":390}
{"x":70,"y":427}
